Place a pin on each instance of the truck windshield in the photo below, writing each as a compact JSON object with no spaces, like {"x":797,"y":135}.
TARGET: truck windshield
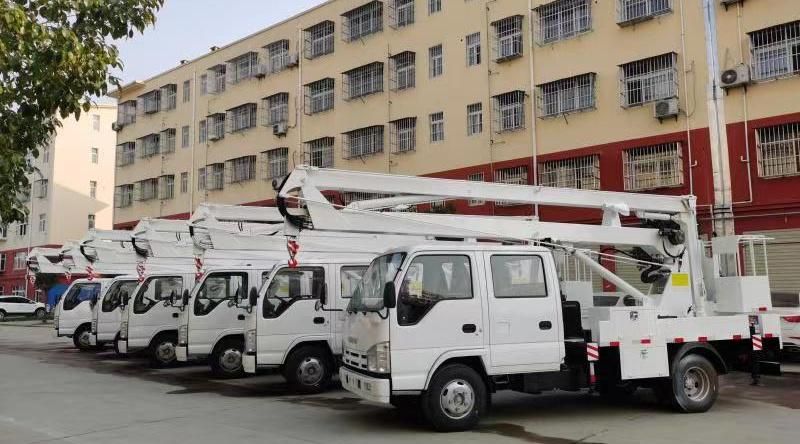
{"x":368,"y":296}
{"x":113,"y":297}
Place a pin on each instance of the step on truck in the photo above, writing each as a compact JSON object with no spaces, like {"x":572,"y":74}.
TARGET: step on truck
{"x":439,"y":328}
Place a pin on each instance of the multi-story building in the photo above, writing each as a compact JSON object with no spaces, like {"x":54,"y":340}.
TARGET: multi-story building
{"x":613,"y":95}
{"x":72,"y":190}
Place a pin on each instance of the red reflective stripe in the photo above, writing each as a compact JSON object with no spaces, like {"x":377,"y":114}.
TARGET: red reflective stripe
{"x":679,"y":340}
{"x":767,"y":335}
{"x":645,"y":341}
{"x":613,"y":344}
{"x":762,"y":308}
{"x":792,"y":319}
{"x":737,"y":337}
{"x":703,"y":338}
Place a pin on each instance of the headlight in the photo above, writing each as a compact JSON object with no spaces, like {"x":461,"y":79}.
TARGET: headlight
{"x":94,"y":326}
{"x":123,"y":330}
{"x":378,"y":358}
{"x":250,"y":342}
{"x":183,"y":335}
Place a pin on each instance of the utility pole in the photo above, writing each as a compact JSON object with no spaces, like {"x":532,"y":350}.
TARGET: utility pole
{"x":33,"y":198}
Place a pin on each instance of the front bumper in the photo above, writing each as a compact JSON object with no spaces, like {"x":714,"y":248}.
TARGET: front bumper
{"x":369,"y":388}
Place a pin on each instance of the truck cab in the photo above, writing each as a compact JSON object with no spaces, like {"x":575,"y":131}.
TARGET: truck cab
{"x":295,"y":322}
{"x":150,"y":321}
{"x":73,"y":314}
{"x":107,"y":310}
{"x":211,"y":325}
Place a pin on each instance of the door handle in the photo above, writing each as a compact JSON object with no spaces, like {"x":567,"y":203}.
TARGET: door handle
{"x":319,"y":320}
{"x":174,"y":315}
{"x":545,"y":325}
{"x":469,"y":328}
{"x":240,"y":317}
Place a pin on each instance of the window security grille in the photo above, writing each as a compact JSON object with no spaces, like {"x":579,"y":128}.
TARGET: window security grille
{"x":166,"y":187}
{"x":275,"y":163}
{"x":403,"y":71}
{"x":240,"y":169}
{"x":216,"y":79}
{"x":319,"y":40}
{"x":126,"y":154}
{"x":167,"y":141}
{"x":126,"y":113}
{"x":349,"y":197}
{"x":509,"y":111}
{"x":567,"y":95}
{"x":473,"y":46}
{"x":41,"y":188}
{"x":241,"y":118}
{"x":401,"y":13}
{"x":362,"y":21}
{"x":150,"y":102}
{"x":169,"y":97}
{"x":634,"y":11}
{"x":563,"y":19}
{"x":474,"y":119}
{"x":184,"y":182}
{"x":148,"y":145}
{"x":319,"y":152}
{"x":775,"y":51}
{"x":123,"y":196}
{"x":507,"y":38}
{"x":778,"y":150}
{"x":404,"y":135}
{"x":275,"y":109}
{"x":578,"y":172}
{"x":476,"y":177}
{"x":436,"y":123}
{"x":513,"y":176}
{"x":215,"y":176}
{"x":434,"y":6}
{"x":242,"y":68}
{"x":651,"y":167}
{"x":363,"y":81}
{"x":319,"y":96}
{"x":435,"y":61}
{"x":648,"y":80}
{"x":363,"y":142}
{"x":146,"y":189}
{"x":278,"y":56}
{"x":216,"y":126}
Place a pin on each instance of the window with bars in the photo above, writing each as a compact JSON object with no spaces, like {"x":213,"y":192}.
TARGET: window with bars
{"x":363,"y":81}
{"x":577,"y":172}
{"x":349,"y":197}
{"x":775,"y":51}
{"x":214,"y":176}
{"x":319,"y":152}
{"x":166,"y":187}
{"x":319,"y":40}
{"x":634,"y":11}
{"x":513,"y":176}
{"x":401,"y":13}
{"x":434,"y":6}
{"x":42,"y":186}
{"x":150,"y":102}
{"x":275,"y":163}
{"x":509,"y":111}
{"x":148,"y":145}
{"x":567,"y":95}
{"x":507,"y":38}
{"x":184,"y":182}
{"x":242,"y":67}
{"x":275,"y":109}
{"x":435,"y":61}
{"x":201,"y":178}
{"x":278,"y":56}
{"x":241,"y":169}
{"x":187,"y":91}
{"x":363,"y":142}
{"x":436,"y":124}
{"x":648,"y":80}
{"x":241,"y":118}
{"x":217,"y":79}
{"x":778,"y":150}
{"x":319,"y":96}
{"x":473,"y":47}
{"x":215,"y":126}
{"x":563,"y":19}
{"x":474,"y":119}
{"x":362,"y":21}
{"x":403,"y":70}
{"x":651,"y":167}
{"x":126,"y":112}
{"x":126,"y":154}
{"x":476,"y":177}
{"x":169,"y":97}
{"x":167,"y":141}
{"x":146,"y":189}
{"x":404,"y":135}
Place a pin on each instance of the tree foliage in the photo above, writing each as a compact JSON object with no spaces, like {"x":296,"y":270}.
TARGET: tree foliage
{"x":55,"y":55}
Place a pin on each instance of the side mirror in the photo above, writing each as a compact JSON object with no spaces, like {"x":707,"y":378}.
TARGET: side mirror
{"x":252,"y":298}
{"x":125,"y":298}
{"x":171,"y":300}
{"x":93,"y":301}
{"x":389,"y":298}
{"x":185,"y":298}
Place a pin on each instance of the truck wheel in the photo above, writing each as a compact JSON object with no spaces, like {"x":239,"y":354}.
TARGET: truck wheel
{"x":695,"y":384}
{"x":162,"y":351}
{"x":81,"y":338}
{"x":455,"y":399}
{"x":116,"y":346}
{"x":226,"y":359}
{"x":309,"y":369}
{"x":39,"y":313}
{"x":2,"y":316}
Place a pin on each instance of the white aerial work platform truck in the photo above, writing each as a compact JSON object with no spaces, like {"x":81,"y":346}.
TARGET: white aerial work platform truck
{"x":441,"y":326}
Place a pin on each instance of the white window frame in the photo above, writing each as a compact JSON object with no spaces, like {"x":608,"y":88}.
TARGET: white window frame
{"x":474,"y":119}
{"x":436,"y":126}
{"x":576,"y":172}
{"x":363,"y":142}
{"x":517,"y":175}
{"x":634,"y":11}
{"x":472,"y":43}
{"x":569,"y":95}
{"x":649,"y":80}
{"x":509,"y":111}
{"x":363,"y":81}
{"x":434,"y":6}
{"x":653,"y":167}
{"x":275,"y":163}
{"x":435,"y":61}
{"x":241,"y":169}
{"x":320,"y":39}
{"x":319,"y":96}
{"x":404,"y":135}
{"x":403,"y":69}
{"x":362,"y":21}
{"x":775,"y":51}
{"x":562,"y":20}
{"x":319,"y":152}
{"x":778,"y":149}
{"x":508,"y":41}
{"x":241,"y":118}
{"x":93,"y":189}
{"x":166,"y":187}
{"x":476,"y":177}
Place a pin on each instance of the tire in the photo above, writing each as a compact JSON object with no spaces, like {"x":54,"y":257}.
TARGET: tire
{"x":226,"y":359}
{"x":116,"y":347}
{"x":694,"y":384}
{"x":81,"y":338}
{"x":39,"y":314}
{"x":455,"y":400}
{"x":2,"y":316}
{"x":162,"y":350}
{"x":309,"y":369}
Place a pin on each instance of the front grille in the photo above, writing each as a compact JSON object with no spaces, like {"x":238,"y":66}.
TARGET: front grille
{"x":355,"y":359}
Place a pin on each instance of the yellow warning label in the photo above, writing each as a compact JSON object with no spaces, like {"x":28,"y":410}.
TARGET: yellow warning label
{"x":680,"y":279}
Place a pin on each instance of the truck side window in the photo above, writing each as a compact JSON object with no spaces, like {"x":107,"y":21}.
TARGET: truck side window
{"x":350,"y":277}
{"x":219,"y":287}
{"x":114,"y":295}
{"x":431,"y":279}
{"x":80,"y":293}
{"x":518,"y":277}
{"x":155,"y":290}
{"x":290,"y":285}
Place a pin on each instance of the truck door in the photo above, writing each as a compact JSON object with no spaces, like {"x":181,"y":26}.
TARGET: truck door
{"x":348,"y":277}
{"x":149,"y":315}
{"x":210,"y":313}
{"x":524,"y":326}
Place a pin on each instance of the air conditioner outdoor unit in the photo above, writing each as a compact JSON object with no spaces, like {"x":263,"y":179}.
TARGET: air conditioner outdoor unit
{"x":213,"y":136}
{"x":293,"y":61}
{"x":666,"y":108}
{"x":261,"y":71}
{"x":116,"y":126}
{"x":736,"y":76}
{"x":280,"y":129}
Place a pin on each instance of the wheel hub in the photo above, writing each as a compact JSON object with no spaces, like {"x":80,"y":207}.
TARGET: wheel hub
{"x":310,"y":371}
{"x":165,"y":352}
{"x":231,"y":360}
{"x":696,"y":383}
{"x":457,"y":399}
{"x":83,"y":339}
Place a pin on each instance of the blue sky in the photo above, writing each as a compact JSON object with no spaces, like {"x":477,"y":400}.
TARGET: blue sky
{"x":185,"y":29}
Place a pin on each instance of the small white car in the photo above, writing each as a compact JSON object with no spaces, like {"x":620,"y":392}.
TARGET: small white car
{"x":20,"y":306}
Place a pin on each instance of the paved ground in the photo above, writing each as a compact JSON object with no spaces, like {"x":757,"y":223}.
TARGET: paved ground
{"x":50,"y":393}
